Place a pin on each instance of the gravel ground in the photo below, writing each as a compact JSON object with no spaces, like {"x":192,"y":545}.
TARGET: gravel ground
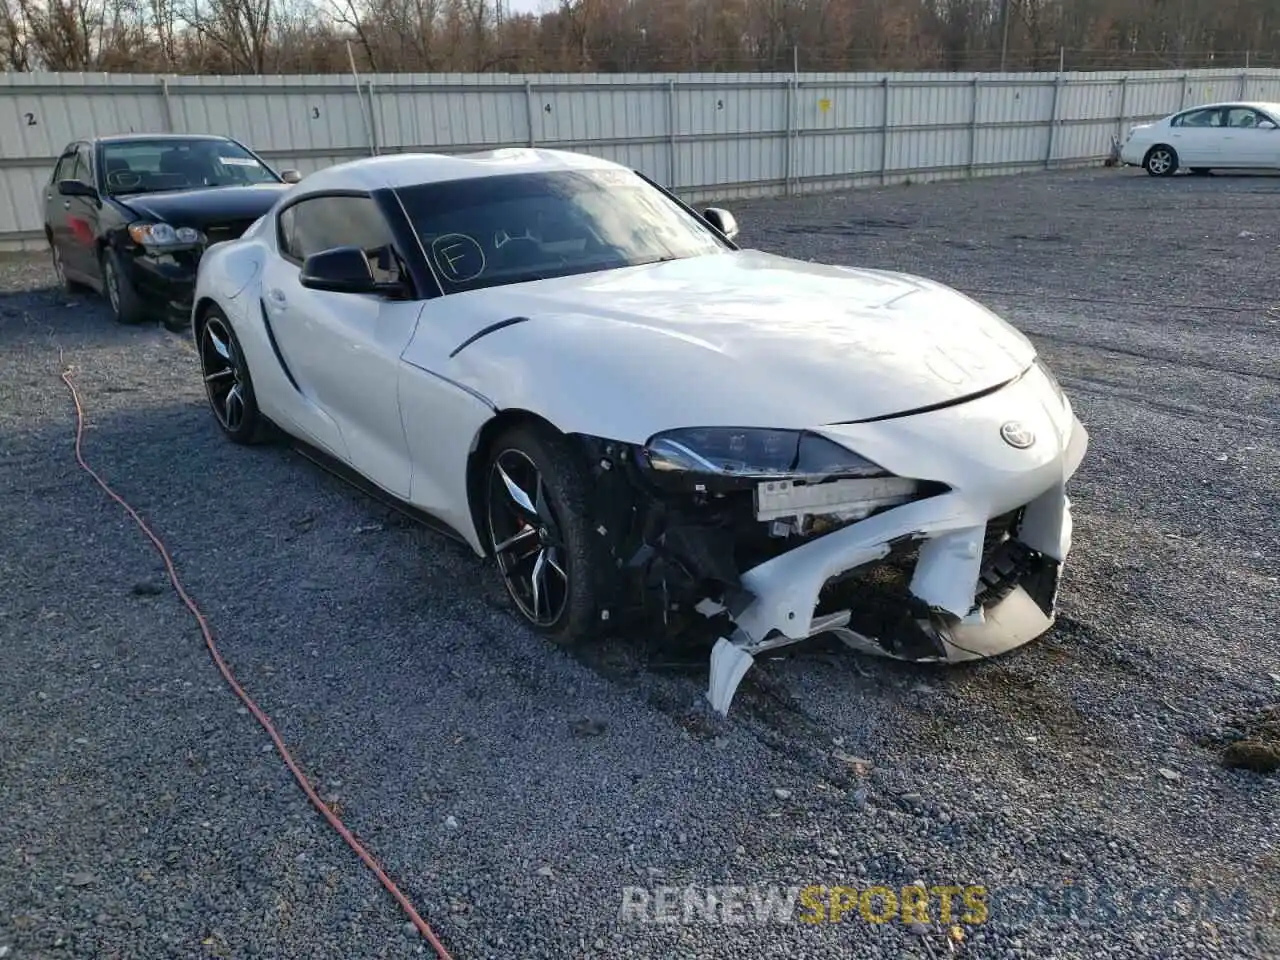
{"x":513,"y":789}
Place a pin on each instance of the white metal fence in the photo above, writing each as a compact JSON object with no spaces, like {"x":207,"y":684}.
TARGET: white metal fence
{"x":706,"y":135}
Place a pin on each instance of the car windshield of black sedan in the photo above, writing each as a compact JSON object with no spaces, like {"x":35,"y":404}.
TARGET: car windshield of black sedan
{"x":151,"y":166}
{"x":513,"y":228}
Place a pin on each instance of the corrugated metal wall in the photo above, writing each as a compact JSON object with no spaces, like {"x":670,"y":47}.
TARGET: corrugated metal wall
{"x":706,"y":135}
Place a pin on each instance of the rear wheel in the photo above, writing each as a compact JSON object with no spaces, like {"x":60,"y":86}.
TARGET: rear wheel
{"x":1161,"y":161}
{"x":59,"y":268}
{"x":536,"y":510}
{"x":226,"y":381}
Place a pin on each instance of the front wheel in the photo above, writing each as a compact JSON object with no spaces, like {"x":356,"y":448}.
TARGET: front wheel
{"x":536,"y":510}
{"x":226,"y":381}
{"x":1161,"y":161}
{"x":126,"y":306}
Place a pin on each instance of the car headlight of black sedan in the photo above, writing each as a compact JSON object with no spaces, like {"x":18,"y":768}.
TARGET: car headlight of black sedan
{"x":163,"y":237}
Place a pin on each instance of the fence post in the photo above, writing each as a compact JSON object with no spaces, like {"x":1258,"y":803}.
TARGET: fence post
{"x":788,"y":157}
{"x":884,"y":135}
{"x":1124,"y":105}
{"x":973,"y":125}
{"x":1053,"y":120}
{"x":671,"y":135}
{"x":1244,"y":83}
{"x":1186,"y":88}
{"x":168,"y":104}
{"x":528,"y":109}
{"x":373,"y":121}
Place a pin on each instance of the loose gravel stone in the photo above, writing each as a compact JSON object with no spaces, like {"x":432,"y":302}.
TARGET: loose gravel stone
{"x":391,"y":665}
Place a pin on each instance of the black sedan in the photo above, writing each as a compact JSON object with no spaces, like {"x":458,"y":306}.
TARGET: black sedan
{"x":129,"y":216}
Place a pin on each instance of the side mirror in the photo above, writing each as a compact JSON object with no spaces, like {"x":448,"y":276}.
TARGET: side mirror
{"x":722,"y":220}
{"x":340,"y":270}
{"x":290,"y":176}
{"x":76,"y":188}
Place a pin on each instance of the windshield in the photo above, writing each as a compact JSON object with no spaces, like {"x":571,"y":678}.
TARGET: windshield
{"x":489,"y":231}
{"x":149,"y":166}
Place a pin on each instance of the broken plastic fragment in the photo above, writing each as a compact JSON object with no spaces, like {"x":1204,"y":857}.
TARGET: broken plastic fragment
{"x":729,"y":664}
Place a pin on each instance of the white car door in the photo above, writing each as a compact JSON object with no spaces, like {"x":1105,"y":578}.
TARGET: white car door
{"x":343,"y":349}
{"x":1199,"y":137}
{"x":1254,"y":139}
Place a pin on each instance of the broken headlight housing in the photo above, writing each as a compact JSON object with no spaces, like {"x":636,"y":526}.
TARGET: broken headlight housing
{"x":799,"y":482}
{"x":729,"y":458}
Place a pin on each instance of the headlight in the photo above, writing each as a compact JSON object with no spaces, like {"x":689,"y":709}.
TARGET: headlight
{"x":752,"y":454}
{"x":162,"y":236}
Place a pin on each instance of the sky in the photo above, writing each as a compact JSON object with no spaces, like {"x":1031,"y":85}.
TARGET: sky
{"x":528,"y":6}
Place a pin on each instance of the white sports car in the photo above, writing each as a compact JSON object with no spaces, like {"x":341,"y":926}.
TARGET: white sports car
{"x":1212,"y":136}
{"x":553,"y":359}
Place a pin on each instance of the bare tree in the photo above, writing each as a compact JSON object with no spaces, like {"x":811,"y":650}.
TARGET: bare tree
{"x":257,"y":36}
{"x":347,"y":15}
{"x":240,"y":29}
{"x":15,"y":37}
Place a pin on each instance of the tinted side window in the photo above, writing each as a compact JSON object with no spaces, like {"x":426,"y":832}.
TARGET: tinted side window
{"x":288,"y":245}
{"x":82,"y":170}
{"x":62,"y":169}
{"x":1200,"y":118}
{"x":323,"y":223}
{"x":1244,"y":117}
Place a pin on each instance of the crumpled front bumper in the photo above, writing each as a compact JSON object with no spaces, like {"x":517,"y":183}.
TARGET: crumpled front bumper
{"x":168,"y":282}
{"x":964,"y":448}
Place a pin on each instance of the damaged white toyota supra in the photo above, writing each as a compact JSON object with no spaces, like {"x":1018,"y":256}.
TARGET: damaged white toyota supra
{"x":640,"y":424}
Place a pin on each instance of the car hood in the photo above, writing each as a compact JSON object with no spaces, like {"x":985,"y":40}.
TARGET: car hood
{"x":207,"y":206}
{"x":744,"y":338}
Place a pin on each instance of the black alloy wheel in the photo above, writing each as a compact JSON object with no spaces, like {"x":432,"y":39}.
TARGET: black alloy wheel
{"x":524,"y":533}
{"x":536,"y":516}
{"x":226,"y":381}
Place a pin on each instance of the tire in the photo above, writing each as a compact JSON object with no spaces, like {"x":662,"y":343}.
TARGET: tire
{"x":181,"y":325}
{"x":1161,"y":161}
{"x":126,"y":306}
{"x":556,"y":543}
{"x":225,"y":372}
{"x":65,"y":285}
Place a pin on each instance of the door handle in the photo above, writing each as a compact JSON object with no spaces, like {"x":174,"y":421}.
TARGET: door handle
{"x":276,"y":297}
{"x":66,"y":204}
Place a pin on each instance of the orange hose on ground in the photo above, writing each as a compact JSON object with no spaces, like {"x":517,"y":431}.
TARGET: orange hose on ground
{"x":227,"y":675}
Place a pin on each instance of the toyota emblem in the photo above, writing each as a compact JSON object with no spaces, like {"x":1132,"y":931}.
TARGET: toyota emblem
{"x":1017,"y":435}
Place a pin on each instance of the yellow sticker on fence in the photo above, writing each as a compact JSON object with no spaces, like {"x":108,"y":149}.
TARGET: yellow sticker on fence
{"x":824,"y":105}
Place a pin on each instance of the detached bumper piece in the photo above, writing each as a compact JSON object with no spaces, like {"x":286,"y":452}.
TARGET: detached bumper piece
{"x":906,"y":584}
